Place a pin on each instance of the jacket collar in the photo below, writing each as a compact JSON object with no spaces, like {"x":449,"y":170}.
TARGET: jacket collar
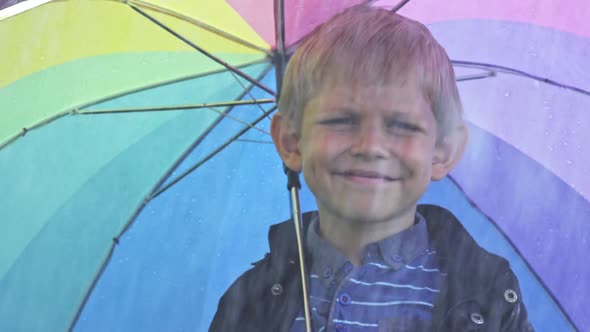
{"x":444,"y":233}
{"x":458,"y":254}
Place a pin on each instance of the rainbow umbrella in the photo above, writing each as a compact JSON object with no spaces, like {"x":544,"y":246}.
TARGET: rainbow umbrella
{"x":139,"y":181}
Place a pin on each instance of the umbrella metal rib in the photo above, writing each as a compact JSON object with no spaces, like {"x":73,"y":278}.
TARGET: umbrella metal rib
{"x":239,"y":120}
{"x":212,"y":154}
{"x":280,"y":58}
{"x":76,"y":110}
{"x":204,"y":52}
{"x":253,"y":141}
{"x":476,"y":76}
{"x":399,"y":5}
{"x":508,"y":70}
{"x":41,"y":123}
{"x":248,"y":92}
{"x":181,"y":107}
{"x":198,"y":23}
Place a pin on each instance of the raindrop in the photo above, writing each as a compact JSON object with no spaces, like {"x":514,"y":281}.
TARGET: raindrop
{"x":569,"y":162}
{"x":507,"y":93}
{"x":550,"y":116}
{"x":549,"y":147}
{"x":546,"y":132}
{"x":536,"y":84}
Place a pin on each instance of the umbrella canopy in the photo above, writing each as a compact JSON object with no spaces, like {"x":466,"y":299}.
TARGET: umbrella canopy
{"x":125,"y":206}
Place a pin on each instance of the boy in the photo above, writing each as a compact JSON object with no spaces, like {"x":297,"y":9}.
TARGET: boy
{"x":370,"y":113}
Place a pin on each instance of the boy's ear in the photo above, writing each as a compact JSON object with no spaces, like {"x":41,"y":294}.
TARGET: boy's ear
{"x":449,"y":150}
{"x":286,"y":141}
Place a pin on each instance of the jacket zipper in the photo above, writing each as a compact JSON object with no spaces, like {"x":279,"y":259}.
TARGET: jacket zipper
{"x":446,"y":316}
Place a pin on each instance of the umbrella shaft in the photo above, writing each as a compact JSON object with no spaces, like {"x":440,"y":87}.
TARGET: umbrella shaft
{"x":298,"y":230}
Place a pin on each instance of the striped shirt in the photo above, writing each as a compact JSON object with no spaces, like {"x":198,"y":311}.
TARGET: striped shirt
{"x":394,"y":289}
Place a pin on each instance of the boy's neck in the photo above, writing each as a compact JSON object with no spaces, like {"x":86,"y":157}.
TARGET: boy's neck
{"x":351,"y":237}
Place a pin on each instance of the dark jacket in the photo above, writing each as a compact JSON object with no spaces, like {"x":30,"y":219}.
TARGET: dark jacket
{"x":481,"y":292}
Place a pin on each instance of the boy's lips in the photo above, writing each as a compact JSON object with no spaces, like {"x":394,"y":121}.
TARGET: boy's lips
{"x":365,"y":176}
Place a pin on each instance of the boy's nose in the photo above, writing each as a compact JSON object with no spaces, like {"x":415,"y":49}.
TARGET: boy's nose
{"x":369,"y":143}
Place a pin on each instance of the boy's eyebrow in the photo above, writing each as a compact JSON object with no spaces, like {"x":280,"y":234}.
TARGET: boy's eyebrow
{"x":340,"y":109}
{"x":352,"y":110}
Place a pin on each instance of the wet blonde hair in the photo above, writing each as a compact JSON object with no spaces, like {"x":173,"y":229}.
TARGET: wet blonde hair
{"x":371,"y":45}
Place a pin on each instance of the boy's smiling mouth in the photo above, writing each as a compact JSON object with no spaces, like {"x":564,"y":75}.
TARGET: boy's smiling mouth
{"x":365,"y":176}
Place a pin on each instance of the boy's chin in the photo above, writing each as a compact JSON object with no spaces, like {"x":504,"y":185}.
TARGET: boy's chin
{"x":365,"y":216}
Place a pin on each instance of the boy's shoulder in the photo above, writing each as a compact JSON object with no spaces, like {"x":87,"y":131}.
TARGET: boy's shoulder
{"x":456,"y":249}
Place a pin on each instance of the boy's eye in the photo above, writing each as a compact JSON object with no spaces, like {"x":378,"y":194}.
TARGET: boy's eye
{"x":340,"y":121}
{"x":402,"y":126}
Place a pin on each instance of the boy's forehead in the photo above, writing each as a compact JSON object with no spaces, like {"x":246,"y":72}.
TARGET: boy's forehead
{"x":361,"y":89}
{"x":354,"y":76}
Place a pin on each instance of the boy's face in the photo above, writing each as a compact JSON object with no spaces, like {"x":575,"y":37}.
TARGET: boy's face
{"x":367,"y":151}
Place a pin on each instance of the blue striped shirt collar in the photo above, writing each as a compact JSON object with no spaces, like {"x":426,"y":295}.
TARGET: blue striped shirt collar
{"x":394,"y":251}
